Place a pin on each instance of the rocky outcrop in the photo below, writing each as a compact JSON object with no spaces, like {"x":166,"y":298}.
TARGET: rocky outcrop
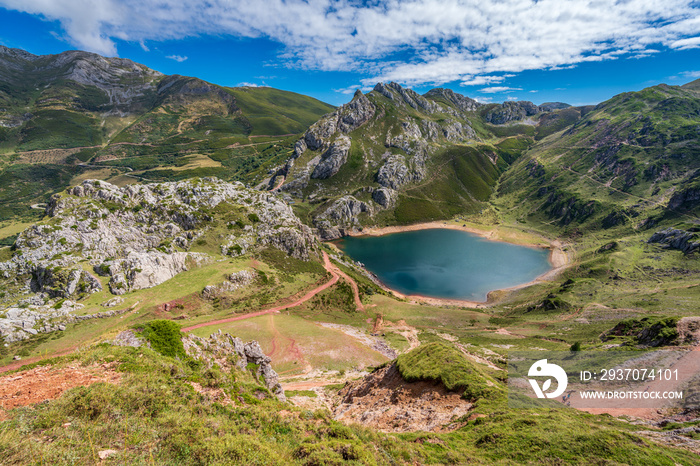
{"x":340,"y":216}
{"x":125,"y":84}
{"x":394,"y":172}
{"x":463,"y":103}
{"x":511,"y":111}
{"x":407,"y":97}
{"x":64,"y":283}
{"x":129,"y":338}
{"x":385,"y":197}
{"x":347,"y":118}
{"x":672,"y":238}
{"x":38,"y":314}
{"x":322,"y":135}
{"x":140,"y":235}
{"x":234,"y":282}
{"x":685,"y":199}
{"x":454,"y":131}
{"x":224,"y":350}
{"x":334,"y":158}
{"x":140,"y":270}
{"x":551,"y":106}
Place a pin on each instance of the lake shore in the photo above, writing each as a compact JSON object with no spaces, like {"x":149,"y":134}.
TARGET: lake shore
{"x":559,"y":258}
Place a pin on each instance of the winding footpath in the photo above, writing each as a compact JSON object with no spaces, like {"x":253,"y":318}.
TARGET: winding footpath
{"x":326,"y":264}
{"x":334,"y":271}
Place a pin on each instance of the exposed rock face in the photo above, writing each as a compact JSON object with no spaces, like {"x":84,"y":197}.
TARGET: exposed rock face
{"x":454,"y":131}
{"x":385,"y":197}
{"x":125,"y":83}
{"x":333,"y":158}
{"x":685,"y":199}
{"x":347,"y":118}
{"x":385,"y":401}
{"x":410,"y":127}
{"x":673,"y":238}
{"x":510,"y":111}
{"x":122,"y":228}
{"x":129,"y":338}
{"x":40,"y":315}
{"x":139,"y":236}
{"x":235,"y":281}
{"x":141,"y":270}
{"x":220,"y":347}
{"x":551,"y":106}
{"x":341,"y":215}
{"x":64,"y":283}
{"x":394,"y":172}
{"x":408,"y":97}
{"x":463,"y":103}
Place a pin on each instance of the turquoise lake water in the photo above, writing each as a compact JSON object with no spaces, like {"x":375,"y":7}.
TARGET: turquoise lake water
{"x":445,"y":263}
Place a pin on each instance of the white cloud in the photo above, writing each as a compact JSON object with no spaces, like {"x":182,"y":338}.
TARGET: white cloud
{"x":483,"y":100}
{"x":409,"y":41}
{"x":499,"y":89}
{"x":683,"y":44}
{"x":245,"y":84}
{"x":512,"y":98}
{"x":144,"y":46}
{"x":481,"y":80}
{"x":347,"y":90}
{"x":691,"y":74}
{"x":177,"y":58}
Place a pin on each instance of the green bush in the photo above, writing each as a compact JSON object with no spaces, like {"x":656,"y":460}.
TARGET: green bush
{"x":164,"y":337}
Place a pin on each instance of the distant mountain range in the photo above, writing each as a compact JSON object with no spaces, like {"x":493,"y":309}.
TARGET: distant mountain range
{"x":389,"y":156}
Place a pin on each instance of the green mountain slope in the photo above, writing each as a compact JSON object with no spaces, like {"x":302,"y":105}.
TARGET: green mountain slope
{"x":393,"y":156}
{"x":632,"y":159}
{"x":113,"y":119}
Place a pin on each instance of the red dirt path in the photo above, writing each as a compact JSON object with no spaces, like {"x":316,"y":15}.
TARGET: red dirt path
{"x":328,"y":266}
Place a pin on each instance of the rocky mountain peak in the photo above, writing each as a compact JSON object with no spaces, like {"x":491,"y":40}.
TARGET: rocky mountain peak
{"x":403,"y":96}
{"x":7,"y":52}
{"x":461,"y":102}
{"x":511,"y":111}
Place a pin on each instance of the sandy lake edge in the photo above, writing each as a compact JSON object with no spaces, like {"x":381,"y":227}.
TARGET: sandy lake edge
{"x":558,"y":258}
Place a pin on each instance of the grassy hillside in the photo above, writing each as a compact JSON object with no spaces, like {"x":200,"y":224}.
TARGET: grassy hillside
{"x":166,"y":410}
{"x":112,"y":119}
{"x":624,"y":162}
{"x":272,"y":111}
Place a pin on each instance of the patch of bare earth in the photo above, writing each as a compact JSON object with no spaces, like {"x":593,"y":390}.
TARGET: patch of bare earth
{"x":213,"y":395}
{"x":48,"y":383}
{"x":385,"y":401}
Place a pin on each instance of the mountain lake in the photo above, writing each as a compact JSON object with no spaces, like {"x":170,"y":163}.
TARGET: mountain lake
{"x":445,"y":263}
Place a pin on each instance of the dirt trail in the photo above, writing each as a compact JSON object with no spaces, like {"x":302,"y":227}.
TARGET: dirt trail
{"x":326,"y":264}
{"x":24,"y":362}
{"x":292,"y":349}
{"x":355,"y":289}
{"x":279,"y":185}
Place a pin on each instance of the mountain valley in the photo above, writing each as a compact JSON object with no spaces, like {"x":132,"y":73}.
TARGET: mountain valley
{"x":170,"y":245}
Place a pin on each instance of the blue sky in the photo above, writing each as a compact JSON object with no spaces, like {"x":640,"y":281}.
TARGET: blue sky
{"x":575,"y":51}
